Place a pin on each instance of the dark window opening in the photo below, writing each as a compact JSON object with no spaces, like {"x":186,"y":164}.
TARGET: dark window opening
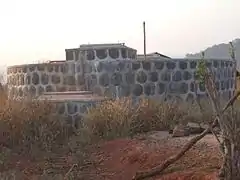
{"x":90,"y":55}
{"x":113,"y":53}
{"x":124,"y":53}
{"x":69,"y":55}
{"x":101,"y":53}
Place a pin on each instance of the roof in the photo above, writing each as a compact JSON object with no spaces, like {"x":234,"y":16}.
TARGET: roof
{"x":158,"y":54}
{"x":154,"y":54}
{"x":36,"y":64}
{"x":76,"y":96}
{"x":72,"y":49}
{"x":103,"y":46}
{"x":100,"y":46}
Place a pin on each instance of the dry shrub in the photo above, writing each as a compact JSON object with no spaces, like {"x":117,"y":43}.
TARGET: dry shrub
{"x":26,"y":124}
{"x":110,"y":118}
{"x":150,"y":115}
{"x":3,"y":95}
{"x":195,"y":115}
{"x":122,"y":118}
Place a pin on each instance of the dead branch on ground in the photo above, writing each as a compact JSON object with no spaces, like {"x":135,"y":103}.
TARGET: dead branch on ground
{"x":159,"y":169}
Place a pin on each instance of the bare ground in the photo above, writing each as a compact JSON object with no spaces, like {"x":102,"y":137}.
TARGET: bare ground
{"x":120,"y":159}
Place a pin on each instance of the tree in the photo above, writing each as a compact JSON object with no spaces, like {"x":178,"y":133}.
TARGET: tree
{"x":229,"y":125}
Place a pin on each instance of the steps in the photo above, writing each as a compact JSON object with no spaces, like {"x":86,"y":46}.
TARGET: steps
{"x":76,"y":96}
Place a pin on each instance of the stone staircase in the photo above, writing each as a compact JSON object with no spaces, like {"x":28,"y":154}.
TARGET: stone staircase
{"x":72,"y":105}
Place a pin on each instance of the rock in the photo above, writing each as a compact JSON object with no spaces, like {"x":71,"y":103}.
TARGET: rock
{"x":217,"y":130}
{"x":180,"y":131}
{"x":203,"y":125}
{"x":195,"y":128}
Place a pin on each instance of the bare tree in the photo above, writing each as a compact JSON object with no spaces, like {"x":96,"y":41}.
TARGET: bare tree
{"x":159,"y":169}
{"x":230,"y":128}
{"x":230,"y":131}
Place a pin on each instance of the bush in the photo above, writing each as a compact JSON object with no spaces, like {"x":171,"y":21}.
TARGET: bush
{"x":26,"y":124}
{"x":110,"y":119}
{"x":150,"y":116}
{"x":118,"y":118}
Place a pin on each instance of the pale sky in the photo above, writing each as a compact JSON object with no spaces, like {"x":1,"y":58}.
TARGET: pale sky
{"x":36,"y":30}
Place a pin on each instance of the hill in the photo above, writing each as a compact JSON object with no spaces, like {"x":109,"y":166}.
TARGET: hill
{"x":220,"y":51}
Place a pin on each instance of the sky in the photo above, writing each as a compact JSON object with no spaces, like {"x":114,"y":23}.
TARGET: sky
{"x":37,"y":30}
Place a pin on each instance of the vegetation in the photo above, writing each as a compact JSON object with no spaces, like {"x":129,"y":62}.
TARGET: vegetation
{"x":28,"y":127}
{"x":229,"y":126}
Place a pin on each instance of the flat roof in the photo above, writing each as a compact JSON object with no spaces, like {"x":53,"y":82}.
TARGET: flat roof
{"x":75,"y":96}
{"x":153,"y":55}
{"x":101,"y":46}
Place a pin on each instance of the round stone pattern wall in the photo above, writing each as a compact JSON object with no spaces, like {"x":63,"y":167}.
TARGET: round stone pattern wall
{"x":34,"y":79}
{"x":74,"y":111}
{"x":158,"y":78}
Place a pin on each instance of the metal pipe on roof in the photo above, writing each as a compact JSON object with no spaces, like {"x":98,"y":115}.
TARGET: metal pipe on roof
{"x":144,"y":40}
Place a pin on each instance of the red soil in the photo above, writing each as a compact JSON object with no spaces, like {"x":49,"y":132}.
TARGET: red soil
{"x":121,"y":159}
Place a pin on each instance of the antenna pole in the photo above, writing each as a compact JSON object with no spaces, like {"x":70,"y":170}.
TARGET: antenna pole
{"x":144,"y":40}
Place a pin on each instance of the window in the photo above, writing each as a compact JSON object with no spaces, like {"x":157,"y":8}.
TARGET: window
{"x":113,"y":53}
{"x":101,"y":53}
{"x":124,"y":53}
{"x":90,"y":55}
{"x":69,"y":55}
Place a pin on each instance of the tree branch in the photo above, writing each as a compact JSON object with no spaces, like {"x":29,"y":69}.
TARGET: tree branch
{"x":158,"y":169}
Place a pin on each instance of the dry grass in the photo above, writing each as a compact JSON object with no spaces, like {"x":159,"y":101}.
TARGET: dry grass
{"x":29,"y":131}
{"x":26,"y":125}
{"x":119,"y":118}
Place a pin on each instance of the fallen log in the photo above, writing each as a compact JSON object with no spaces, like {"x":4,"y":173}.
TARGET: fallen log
{"x":159,"y":169}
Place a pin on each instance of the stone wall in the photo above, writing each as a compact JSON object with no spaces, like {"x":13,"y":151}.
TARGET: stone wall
{"x":114,"y":70}
{"x":69,"y":75}
{"x":157,"y":78}
{"x":102,"y":52}
{"x":71,"y":106}
{"x":34,"y":79}
{"x":73,"y":111}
